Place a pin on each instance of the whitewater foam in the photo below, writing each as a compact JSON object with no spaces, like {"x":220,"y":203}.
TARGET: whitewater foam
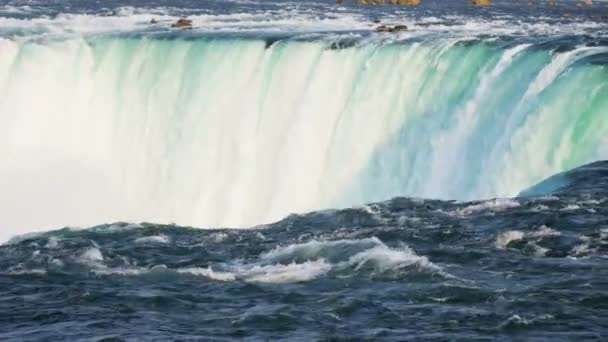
{"x":310,"y":260}
{"x":208,"y":273}
{"x":503,"y":239}
{"x":153,"y":239}
{"x":494,"y":205}
{"x":294,"y":272}
{"x":383,"y":259}
{"x":91,"y":256}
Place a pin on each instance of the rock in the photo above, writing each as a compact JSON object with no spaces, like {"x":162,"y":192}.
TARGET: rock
{"x":398,"y":28}
{"x":376,"y":21}
{"x":153,"y":21}
{"x":481,"y":2}
{"x":183,"y":24}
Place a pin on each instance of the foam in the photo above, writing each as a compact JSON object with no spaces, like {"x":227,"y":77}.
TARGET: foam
{"x":153,"y":239}
{"x":571,"y":207}
{"x":494,"y":205}
{"x":543,"y":231}
{"x":208,"y":273}
{"x":122,"y":271}
{"x":33,"y":271}
{"x":53,"y":242}
{"x":318,"y":248}
{"x":581,"y":249}
{"x":275,"y":274}
{"x":218,"y":237}
{"x":307,"y":261}
{"x":294,"y":272}
{"x":91,"y":256}
{"x":384,"y":259}
{"x":503,"y":239}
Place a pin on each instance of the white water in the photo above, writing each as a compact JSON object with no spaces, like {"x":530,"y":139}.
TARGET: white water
{"x":229,"y":133}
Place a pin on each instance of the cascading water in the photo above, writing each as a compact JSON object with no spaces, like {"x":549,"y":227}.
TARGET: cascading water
{"x":232,"y":132}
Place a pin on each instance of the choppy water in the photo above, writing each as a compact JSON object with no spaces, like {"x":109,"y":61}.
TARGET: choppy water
{"x":406,"y":269}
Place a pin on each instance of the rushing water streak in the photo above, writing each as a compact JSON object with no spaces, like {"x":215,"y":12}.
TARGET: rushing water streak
{"x":232,"y":132}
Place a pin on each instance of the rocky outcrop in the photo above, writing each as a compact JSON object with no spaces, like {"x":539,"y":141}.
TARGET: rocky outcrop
{"x":183,"y":24}
{"x":396,"y":28}
{"x":481,"y":2}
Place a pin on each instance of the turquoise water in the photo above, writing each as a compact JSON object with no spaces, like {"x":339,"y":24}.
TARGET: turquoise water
{"x":234,"y":132}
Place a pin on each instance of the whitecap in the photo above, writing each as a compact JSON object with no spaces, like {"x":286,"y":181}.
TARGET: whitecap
{"x":290,"y":273}
{"x":503,"y":239}
{"x":91,"y":256}
{"x":208,"y":273}
{"x":383,"y":258}
{"x":493,"y":205}
{"x":33,"y":271}
{"x":570,"y":207}
{"x":275,"y":273}
{"x":543,"y":231}
{"x":153,"y":239}
{"x":52,"y":243}
{"x":124,"y":271}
